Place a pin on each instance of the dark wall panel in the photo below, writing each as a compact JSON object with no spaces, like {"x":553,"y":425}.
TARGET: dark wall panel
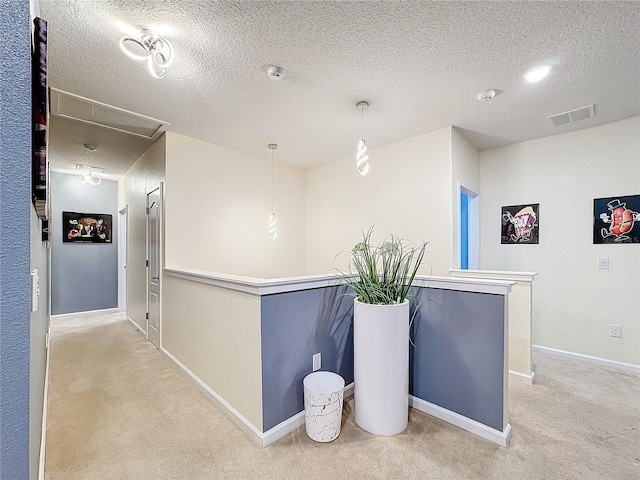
{"x":458,"y":358}
{"x":295,"y":326}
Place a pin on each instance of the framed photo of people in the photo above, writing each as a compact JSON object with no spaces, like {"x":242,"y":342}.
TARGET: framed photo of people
{"x":86,"y":227}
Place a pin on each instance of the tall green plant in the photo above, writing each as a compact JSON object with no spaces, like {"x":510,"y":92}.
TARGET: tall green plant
{"x":383,"y":274}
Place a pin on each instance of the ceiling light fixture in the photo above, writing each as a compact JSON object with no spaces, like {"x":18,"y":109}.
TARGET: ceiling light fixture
{"x":271,"y":225}
{"x":156,"y":50}
{"x":362,"y":158}
{"x":90,"y":174}
{"x":536,"y":74}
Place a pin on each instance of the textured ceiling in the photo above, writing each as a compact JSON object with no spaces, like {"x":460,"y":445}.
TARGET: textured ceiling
{"x":420,"y":64}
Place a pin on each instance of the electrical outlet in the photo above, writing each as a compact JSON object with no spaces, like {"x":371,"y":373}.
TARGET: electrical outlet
{"x":317,"y":361}
{"x":603,"y":263}
{"x":615,"y":331}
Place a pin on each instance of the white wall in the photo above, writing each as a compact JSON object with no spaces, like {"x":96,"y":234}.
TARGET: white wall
{"x":574,"y":303}
{"x":465,"y":161}
{"x":218,"y":203}
{"x":215,"y":333}
{"x":407,"y":192}
{"x":133,"y":187}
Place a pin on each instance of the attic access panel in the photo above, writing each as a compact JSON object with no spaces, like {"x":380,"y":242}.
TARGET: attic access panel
{"x":74,"y":107}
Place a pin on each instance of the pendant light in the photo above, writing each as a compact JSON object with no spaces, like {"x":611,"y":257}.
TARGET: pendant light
{"x":362,"y":158}
{"x":271,"y":226}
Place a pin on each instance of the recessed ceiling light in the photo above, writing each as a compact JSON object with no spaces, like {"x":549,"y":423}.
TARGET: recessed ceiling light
{"x":536,"y":74}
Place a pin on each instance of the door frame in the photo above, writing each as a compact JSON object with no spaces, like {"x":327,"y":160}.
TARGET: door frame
{"x":473,"y":228}
{"x":158,"y":186}
{"x":122,"y":257}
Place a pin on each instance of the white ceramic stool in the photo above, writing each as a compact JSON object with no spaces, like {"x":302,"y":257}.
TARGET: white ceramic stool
{"x":323,"y":397}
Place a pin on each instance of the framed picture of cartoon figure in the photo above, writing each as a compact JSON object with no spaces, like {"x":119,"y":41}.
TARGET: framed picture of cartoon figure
{"x":616,"y":219}
{"x":86,"y":227}
{"x":520,"y":224}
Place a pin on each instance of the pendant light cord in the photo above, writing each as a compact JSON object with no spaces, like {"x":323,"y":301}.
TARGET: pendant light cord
{"x":271,"y":181}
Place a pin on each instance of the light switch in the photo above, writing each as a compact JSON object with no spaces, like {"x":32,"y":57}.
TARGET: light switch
{"x":603,"y":263}
{"x":35,"y":289}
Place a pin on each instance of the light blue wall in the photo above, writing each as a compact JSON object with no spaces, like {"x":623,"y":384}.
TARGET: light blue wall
{"x":15,"y":205}
{"x":84,"y":276}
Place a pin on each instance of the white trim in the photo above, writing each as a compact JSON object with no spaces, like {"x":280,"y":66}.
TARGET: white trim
{"x":261,"y":286}
{"x":123,"y":227}
{"x":138,"y":327}
{"x":43,"y":434}
{"x":472,"y":426}
{"x":235,"y":416}
{"x":494,"y":274}
{"x":629,"y":367}
{"x":518,"y":377}
{"x":289,"y":425}
{"x":73,"y":314}
{"x":254,"y":285}
{"x":262,"y":439}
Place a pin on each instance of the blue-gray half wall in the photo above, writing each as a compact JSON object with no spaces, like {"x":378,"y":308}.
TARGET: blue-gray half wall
{"x":296,"y":326}
{"x":457,"y":362}
{"x":84,"y":276}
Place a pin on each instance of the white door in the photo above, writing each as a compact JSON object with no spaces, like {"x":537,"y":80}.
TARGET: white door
{"x":154,"y":222}
{"x":122,"y":260}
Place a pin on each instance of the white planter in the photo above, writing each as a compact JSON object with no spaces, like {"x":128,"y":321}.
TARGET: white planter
{"x":381,"y":367}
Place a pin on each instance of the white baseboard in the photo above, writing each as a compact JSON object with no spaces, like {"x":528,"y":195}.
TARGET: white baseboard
{"x":43,"y":434}
{"x":61,"y":316}
{"x":235,"y":416}
{"x":629,"y":367}
{"x":293,"y":423}
{"x":142,"y":330}
{"x":477,"y":428}
{"x":518,"y":377}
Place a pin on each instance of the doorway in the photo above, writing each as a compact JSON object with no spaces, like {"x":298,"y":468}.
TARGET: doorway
{"x":154,"y":264}
{"x":469,"y":241}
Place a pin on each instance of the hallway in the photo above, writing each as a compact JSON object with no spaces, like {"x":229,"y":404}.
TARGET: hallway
{"x":117,"y":409}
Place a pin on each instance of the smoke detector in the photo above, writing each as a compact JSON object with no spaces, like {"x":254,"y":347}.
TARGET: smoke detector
{"x":486,"y":95}
{"x":275,"y":72}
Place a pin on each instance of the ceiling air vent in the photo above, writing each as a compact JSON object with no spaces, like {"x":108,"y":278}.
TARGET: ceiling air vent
{"x":74,"y":107}
{"x":572,"y":116}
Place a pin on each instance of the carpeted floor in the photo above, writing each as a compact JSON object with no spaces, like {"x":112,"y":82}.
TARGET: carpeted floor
{"x":118,"y":409}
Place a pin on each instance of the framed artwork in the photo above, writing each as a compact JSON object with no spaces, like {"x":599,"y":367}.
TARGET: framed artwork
{"x":86,"y":227}
{"x":520,"y":224}
{"x":616,"y":219}
{"x":40,"y":111}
